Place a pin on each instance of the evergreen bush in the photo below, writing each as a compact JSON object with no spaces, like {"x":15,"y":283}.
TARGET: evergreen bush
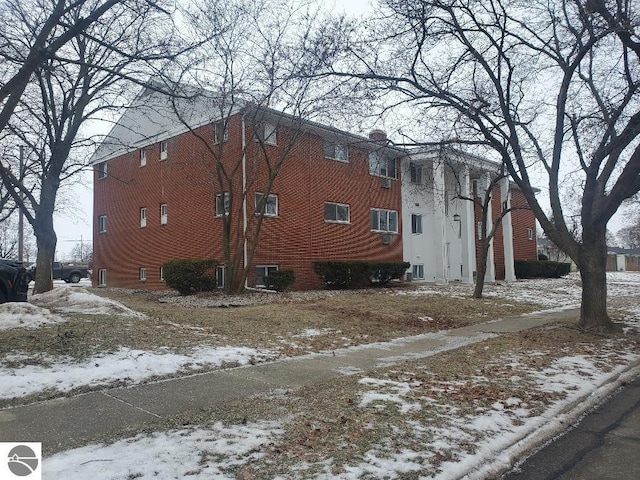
{"x":189,"y":276}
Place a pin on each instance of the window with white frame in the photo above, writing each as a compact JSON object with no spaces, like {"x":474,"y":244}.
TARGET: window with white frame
{"x":222,"y":204}
{"x":163,"y":214}
{"x":415,"y":173}
{"x":336,"y":151}
{"x":384,"y":220}
{"x":479,"y":228}
{"x":530,"y":233}
{"x":418,"y":272}
{"x":220,"y":132}
{"x":220,"y":273}
{"x":267,"y":132}
{"x":143,"y":217}
{"x":267,"y":204}
{"x":102,"y":170}
{"x":143,"y":157}
{"x":263,"y":271}
{"x":380,"y":164}
{"x":142,"y":274}
{"x":416,"y":223}
{"x":102,"y":223}
{"x":102,"y":277}
{"x":336,"y":212}
{"x":164,"y":150}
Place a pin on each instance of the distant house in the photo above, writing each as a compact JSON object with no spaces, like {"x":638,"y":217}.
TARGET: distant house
{"x":551,"y":251}
{"x":336,"y":196}
{"x":623,"y":259}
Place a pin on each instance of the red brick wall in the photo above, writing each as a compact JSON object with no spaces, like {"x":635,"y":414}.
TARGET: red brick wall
{"x":292,"y":240}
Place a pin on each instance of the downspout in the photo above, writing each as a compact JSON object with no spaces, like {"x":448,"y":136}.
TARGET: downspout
{"x":244,"y":199}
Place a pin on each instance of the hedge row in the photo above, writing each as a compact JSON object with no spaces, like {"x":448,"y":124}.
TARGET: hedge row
{"x":541,"y":269}
{"x":342,"y":274}
{"x":189,"y":276}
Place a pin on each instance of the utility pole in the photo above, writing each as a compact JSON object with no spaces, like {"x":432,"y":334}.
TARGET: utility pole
{"x":20,"y":214}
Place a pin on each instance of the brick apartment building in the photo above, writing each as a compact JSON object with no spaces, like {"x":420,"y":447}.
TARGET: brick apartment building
{"x":157,"y":196}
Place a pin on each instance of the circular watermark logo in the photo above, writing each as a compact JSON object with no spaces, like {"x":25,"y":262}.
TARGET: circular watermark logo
{"x":22,"y":461}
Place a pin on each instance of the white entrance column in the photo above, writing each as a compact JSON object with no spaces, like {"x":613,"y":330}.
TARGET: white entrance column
{"x":507,"y":232}
{"x":490,"y":275}
{"x":468,"y":232}
{"x":439,"y":222}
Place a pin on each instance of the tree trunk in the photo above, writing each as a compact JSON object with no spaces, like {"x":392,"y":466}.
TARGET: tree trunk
{"x":592,"y":264}
{"x":482,"y":269}
{"x":46,"y":241}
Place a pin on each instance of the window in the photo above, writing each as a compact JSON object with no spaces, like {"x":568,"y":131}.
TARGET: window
{"x":143,"y":217}
{"x":102,"y":170}
{"x":102,"y":223}
{"x":336,"y":151}
{"x":220,"y":276}
{"x":384,"y":220}
{"x":416,"y":224}
{"x":479,"y":225}
{"x":164,"y":150}
{"x":336,"y":212}
{"x":220,"y":132}
{"x":163,"y":214}
{"x":267,"y":133}
{"x":222,"y":204}
{"x":530,"y":233}
{"x":263,"y":271}
{"x":102,"y":277}
{"x":143,"y":157}
{"x":381,"y":165}
{"x":143,"y":274}
{"x":270,"y":206}
{"x":418,"y":272}
{"x":415,"y":173}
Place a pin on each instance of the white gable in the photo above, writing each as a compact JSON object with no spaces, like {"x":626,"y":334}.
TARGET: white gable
{"x":154,"y":116}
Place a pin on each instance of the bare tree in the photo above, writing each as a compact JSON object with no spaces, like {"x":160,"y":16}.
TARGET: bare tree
{"x":85,"y":77}
{"x":629,"y":236}
{"x":548,"y":88}
{"x":245,"y":69}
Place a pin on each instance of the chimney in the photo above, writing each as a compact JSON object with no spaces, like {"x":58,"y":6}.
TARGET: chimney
{"x":379,"y":136}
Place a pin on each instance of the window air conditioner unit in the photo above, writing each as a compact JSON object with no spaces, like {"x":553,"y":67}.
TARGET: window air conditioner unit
{"x":385,"y":183}
{"x":386,"y":239}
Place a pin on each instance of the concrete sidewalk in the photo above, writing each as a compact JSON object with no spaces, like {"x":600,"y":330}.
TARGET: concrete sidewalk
{"x":62,"y":423}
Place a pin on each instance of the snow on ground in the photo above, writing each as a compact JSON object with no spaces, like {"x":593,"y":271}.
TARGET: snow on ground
{"x":551,"y":293}
{"x":500,"y":433}
{"x":194,"y":454}
{"x":69,"y":299}
{"x":25,"y":315}
{"x":131,"y":366}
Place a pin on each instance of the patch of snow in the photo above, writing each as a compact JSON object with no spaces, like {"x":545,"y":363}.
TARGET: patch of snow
{"x":25,"y":315}
{"x":69,"y":299}
{"x":216,"y":452}
{"x":125,"y":364}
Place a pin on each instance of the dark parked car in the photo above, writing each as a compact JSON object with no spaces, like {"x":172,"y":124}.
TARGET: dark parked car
{"x":13,"y":281}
